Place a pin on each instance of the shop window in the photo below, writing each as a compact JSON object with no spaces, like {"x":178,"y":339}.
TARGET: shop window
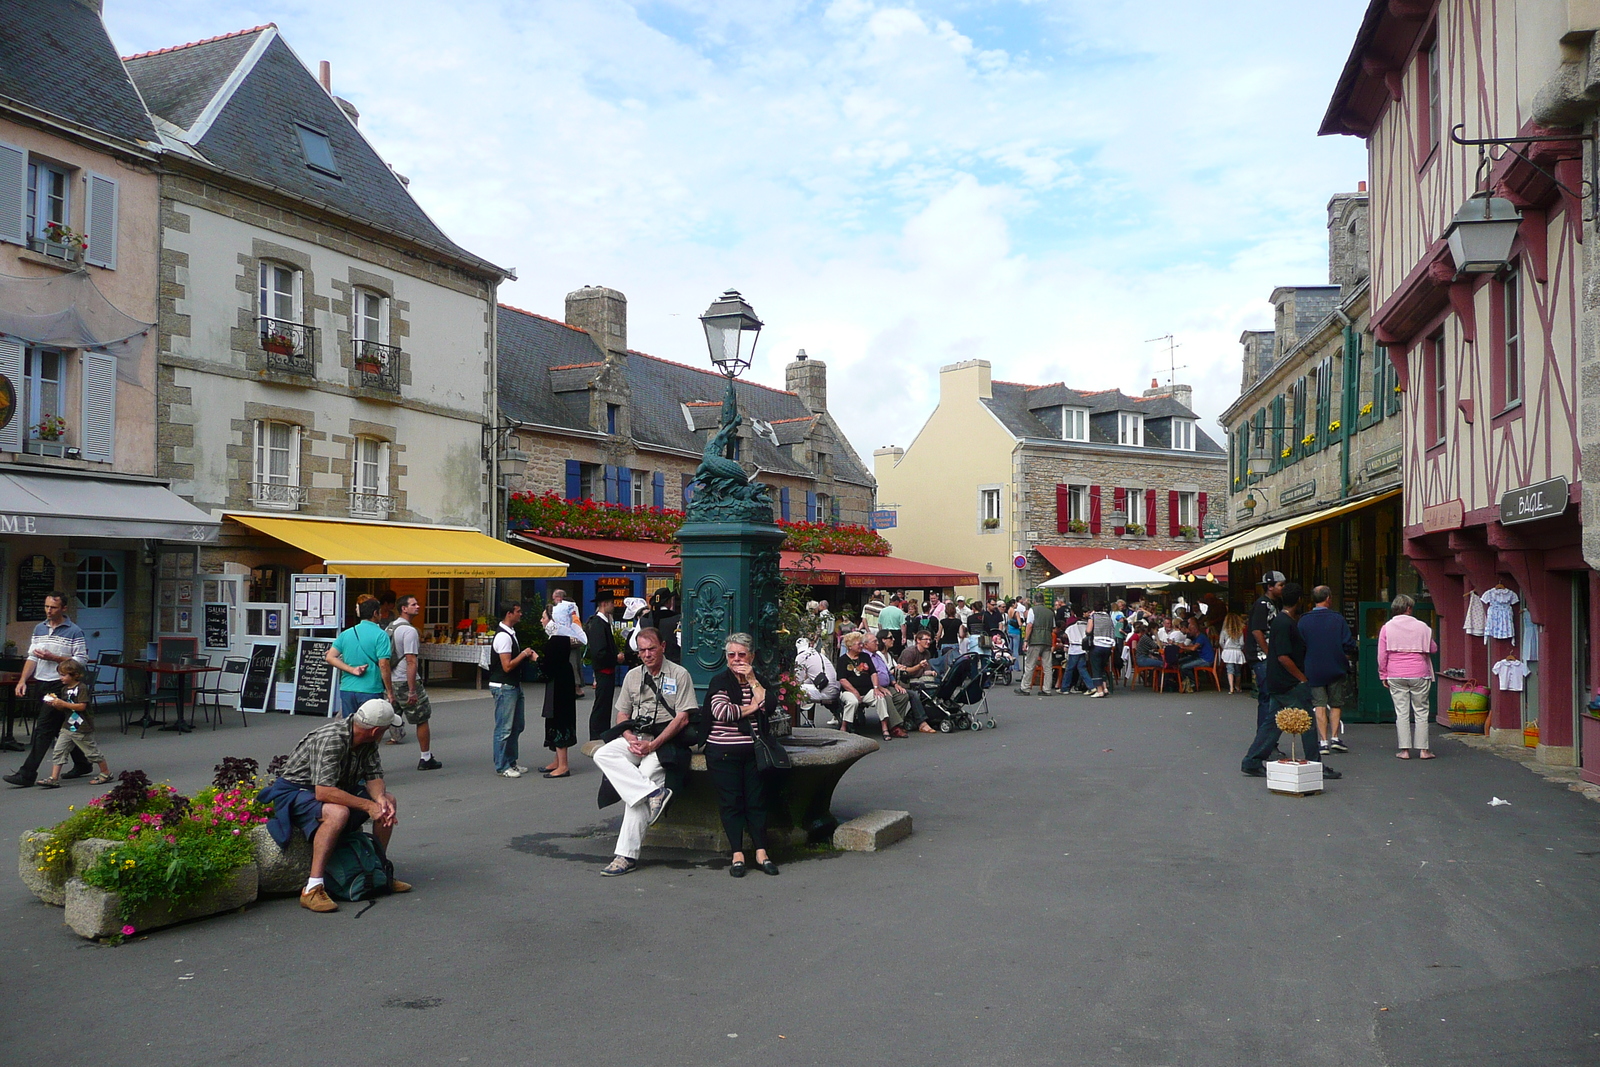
{"x":437,"y":610}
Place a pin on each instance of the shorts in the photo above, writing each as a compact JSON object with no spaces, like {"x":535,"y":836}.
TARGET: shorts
{"x":67,"y":740}
{"x":418,"y":713}
{"x":1326,"y":696}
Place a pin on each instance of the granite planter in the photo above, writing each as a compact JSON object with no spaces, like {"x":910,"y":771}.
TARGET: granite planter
{"x":94,"y":913}
{"x":282,"y":870}
{"x":51,"y":886}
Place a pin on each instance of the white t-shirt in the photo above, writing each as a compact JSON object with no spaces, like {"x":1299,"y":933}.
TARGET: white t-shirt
{"x":407,"y":642}
{"x":1511,"y":672}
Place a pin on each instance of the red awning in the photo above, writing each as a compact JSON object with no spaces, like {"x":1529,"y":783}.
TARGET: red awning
{"x":648,"y":555}
{"x":890,"y":572}
{"x":1065,"y":558}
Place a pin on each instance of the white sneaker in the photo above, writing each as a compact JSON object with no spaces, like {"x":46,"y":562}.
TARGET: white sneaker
{"x":521,"y":769}
{"x":658,"y":803}
{"x":510,"y":772}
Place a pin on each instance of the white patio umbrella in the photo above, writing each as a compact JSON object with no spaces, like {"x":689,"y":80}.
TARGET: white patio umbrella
{"x":1108,"y":572}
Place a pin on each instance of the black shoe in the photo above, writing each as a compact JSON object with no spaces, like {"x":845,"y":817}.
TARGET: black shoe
{"x":17,"y":779}
{"x":737,"y":869}
{"x":1329,"y":772}
{"x":769,"y":867}
{"x":429,"y":764}
{"x":76,"y":774}
{"x":1255,"y":772}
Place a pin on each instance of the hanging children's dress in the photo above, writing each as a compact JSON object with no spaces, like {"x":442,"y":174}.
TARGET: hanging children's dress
{"x":1499,"y":623}
{"x":1510,"y":672}
{"x":1477,"y":616}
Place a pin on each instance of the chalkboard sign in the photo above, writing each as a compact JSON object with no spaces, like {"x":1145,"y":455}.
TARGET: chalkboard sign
{"x":217,"y":629}
{"x":258,"y":676}
{"x":313,"y":677}
{"x":36,"y":576}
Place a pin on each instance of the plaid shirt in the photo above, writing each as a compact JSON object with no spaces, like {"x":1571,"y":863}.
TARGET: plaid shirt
{"x":328,"y":756}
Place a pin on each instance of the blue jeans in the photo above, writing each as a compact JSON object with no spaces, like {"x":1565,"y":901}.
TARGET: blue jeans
{"x":1263,"y":701}
{"x":1187,"y":664}
{"x":1099,"y":662}
{"x":508,"y":723}
{"x":350,"y":703}
{"x":1076,"y":673}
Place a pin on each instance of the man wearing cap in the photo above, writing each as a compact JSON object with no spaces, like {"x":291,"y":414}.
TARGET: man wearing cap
{"x":1255,"y":639}
{"x":1286,"y":685}
{"x":332,"y":784}
{"x":603,"y":657}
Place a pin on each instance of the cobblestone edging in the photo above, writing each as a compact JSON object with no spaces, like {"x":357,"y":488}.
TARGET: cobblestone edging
{"x":1567,"y":776}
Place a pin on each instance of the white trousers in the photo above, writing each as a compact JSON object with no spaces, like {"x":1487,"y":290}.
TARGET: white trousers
{"x":1038,"y":654}
{"x":1411,"y":710}
{"x":634,"y":778}
{"x":853,"y":704}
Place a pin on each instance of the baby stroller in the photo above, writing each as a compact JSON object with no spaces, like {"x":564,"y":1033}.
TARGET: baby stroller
{"x":958,"y":701}
{"x":997,"y":667}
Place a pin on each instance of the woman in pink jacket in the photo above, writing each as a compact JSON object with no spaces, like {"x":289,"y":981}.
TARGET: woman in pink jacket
{"x":1405,"y":664}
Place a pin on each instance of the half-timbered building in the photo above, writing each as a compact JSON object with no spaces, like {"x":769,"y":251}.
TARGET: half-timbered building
{"x":1484,"y":342}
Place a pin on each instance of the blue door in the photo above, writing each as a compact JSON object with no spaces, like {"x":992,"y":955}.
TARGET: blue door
{"x":102,"y":595}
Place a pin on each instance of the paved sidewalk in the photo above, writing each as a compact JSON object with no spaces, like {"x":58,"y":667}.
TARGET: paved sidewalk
{"x":1093,"y":883}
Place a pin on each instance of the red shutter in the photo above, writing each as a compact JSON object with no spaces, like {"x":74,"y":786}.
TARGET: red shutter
{"x":1120,"y":495}
{"x":1094,"y":509}
{"x":1150,"y":513}
{"x":1200,"y":512}
{"x":1063,"y":509}
{"x":1172,"y":511}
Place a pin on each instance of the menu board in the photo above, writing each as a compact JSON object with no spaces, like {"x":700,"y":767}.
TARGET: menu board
{"x":217,"y":629}
{"x":36,"y":576}
{"x":316,"y":601}
{"x":258,"y":676}
{"x":313,"y":678}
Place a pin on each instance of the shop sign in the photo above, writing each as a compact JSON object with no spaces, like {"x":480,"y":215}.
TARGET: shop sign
{"x":1383,"y":461}
{"x":316,"y":601}
{"x":313,"y":677}
{"x":1296,"y":493}
{"x":1446,"y":516}
{"x":620,"y":588}
{"x":216,"y":626}
{"x":1542,"y":501}
{"x":882,"y":520}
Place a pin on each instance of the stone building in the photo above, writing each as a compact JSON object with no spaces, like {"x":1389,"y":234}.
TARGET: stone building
{"x":1053,"y":476}
{"x":599,"y":421}
{"x":1317,"y":421}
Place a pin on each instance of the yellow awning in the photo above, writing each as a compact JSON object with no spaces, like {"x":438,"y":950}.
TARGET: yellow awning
{"x":1268,"y":537}
{"x":391,"y":550}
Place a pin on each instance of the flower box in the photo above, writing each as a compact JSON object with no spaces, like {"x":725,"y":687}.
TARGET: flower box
{"x":1295,"y":779}
{"x":94,"y":913}
{"x":278,"y":346}
{"x":282,"y":870}
{"x":50,"y":884}
{"x":368,"y":366}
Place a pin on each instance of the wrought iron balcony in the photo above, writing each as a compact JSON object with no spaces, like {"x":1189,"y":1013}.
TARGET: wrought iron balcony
{"x":378,"y":365}
{"x":278,"y":496}
{"x":290,"y":346}
{"x":370,"y":505}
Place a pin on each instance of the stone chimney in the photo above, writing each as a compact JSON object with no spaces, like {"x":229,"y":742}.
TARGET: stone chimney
{"x":604,"y":313}
{"x":1259,"y":354}
{"x":808,"y":379}
{"x":1183,"y":394}
{"x":1349,"y":248}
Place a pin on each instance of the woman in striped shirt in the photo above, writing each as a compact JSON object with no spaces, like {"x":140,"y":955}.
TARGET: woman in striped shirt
{"x":736,"y":696}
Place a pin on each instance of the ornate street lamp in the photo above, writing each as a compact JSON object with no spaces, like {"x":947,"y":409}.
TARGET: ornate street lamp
{"x":726,"y":322}
{"x":1481,"y":234}
{"x":1260,"y":461}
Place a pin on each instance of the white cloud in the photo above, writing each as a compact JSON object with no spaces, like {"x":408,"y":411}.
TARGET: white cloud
{"x":894,"y":185}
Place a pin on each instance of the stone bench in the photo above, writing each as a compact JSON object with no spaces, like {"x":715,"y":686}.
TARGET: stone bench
{"x":799,"y":810}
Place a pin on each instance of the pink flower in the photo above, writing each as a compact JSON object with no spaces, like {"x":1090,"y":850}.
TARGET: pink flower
{"x":128,"y":930}
{"x":236,"y":832}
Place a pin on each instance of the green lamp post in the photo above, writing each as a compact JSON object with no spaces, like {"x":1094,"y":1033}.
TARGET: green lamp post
{"x":732,"y":577}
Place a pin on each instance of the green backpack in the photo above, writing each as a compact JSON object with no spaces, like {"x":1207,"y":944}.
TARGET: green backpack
{"x":358,"y":869}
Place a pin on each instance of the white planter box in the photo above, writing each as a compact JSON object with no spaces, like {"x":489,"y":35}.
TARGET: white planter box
{"x":1294,"y":778}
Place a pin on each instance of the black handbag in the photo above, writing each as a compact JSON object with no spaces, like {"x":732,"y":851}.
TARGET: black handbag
{"x":770,"y":755}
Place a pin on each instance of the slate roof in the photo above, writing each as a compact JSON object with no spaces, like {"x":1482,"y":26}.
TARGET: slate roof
{"x":56,"y":56}
{"x":264,"y":91}
{"x":538,"y":355}
{"x":1017,"y":407}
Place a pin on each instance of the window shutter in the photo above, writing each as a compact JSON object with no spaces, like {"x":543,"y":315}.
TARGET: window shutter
{"x":383,"y":469}
{"x":1094,"y":509}
{"x":99,"y":406}
{"x":294,"y":455}
{"x":1173,"y":518}
{"x":811,"y":506}
{"x":1063,"y":507}
{"x":783,"y":503}
{"x":1199,"y":512}
{"x":13,"y":210}
{"x":1150,"y":512}
{"x":574,"y":480}
{"x":625,"y":486}
{"x":260,"y":471}
{"x":658,"y":485}
{"x":609,"y":475}
{"x":11,"y":367}
{"x":299,"y":290}
{"x":1119,"y":499}
{"x":100,"y":222}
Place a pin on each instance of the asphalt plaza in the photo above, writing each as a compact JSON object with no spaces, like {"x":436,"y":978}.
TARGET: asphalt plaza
{"x":1092,"y":883}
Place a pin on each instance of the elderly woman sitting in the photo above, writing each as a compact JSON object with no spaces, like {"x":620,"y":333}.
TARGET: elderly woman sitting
{"x":860,"y":684}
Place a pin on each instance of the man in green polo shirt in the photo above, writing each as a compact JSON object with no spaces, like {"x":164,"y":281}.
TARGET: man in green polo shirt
{"x":362,"y":654}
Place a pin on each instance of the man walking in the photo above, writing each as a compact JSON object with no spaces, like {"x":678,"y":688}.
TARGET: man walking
{"x":54,"y":640}
{"x":603,"y":658}
{"x":364,"y":654}
{"x":1255,"y":639}
{"x":506,"y":657}
{"x":1037,"y":633}
{"x":1329,"y":646}
{"x":1286,"y":685}
{"x":411,"y":696}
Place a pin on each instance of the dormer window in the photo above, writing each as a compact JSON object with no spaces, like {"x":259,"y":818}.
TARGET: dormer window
{"x":1074,"y":424}
{"x":318,"y":151}
{"x":1183,"y":434}
{"x":1130,"y":428}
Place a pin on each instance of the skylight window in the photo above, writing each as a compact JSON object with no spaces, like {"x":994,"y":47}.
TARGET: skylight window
{"x":318,"y":150}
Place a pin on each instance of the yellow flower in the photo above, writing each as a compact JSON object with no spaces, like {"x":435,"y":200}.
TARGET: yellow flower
{"x":1367,"y":410}
{"x":1333,"y":427}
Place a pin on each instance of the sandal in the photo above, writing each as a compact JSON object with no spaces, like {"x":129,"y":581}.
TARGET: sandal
{"x":1402,"y":754}
{"x":101,"y":779}
{"x":619,"y":865}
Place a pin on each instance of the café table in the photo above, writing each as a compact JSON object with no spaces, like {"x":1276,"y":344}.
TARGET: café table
{"x":181,"y":671}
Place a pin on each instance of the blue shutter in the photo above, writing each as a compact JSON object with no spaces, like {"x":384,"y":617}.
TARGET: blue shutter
{"x":625,"y":486}
{"x":783,"y":503}
{"x":610,"y":476}
{"x":658,"y":485}
{"x":574,"y":480}
{"x":811,"y":506}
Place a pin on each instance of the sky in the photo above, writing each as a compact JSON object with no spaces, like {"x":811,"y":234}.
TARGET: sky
{"x":894,"y":186}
